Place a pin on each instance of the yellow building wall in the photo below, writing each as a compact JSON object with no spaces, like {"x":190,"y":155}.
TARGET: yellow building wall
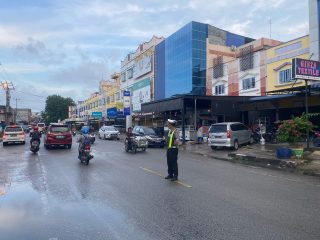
{"x":112,"y":90}
{"x":280,"y":58}
{"x":92,"y":100}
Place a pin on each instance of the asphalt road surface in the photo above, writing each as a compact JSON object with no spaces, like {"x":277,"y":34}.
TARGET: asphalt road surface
{"x":124,"y":196}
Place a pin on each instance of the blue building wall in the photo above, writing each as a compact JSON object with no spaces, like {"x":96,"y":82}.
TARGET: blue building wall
{"x":234,"y":39}
{"x":185,"y":60}
{"x":178,"y":62}
{"x":159,"y":83}
{"x":199,"y":58}
{"x":181,"y":60}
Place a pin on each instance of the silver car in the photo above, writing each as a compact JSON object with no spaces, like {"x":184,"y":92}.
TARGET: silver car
{"x":109,"y":132}
{"x":229,"y":134}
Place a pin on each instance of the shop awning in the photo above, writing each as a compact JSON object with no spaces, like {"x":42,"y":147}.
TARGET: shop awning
{"x":271,"y":97}
{"x":170,"y":104}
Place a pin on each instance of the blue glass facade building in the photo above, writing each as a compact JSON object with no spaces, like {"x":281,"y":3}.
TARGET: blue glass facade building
{"x":180,"y":60}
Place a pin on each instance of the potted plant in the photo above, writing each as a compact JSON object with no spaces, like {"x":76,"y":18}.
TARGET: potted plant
{"x":294,"y":131}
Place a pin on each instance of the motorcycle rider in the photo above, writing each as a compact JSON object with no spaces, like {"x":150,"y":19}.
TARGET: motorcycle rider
{"x":83,"y":139}
{"x":129,"y":137}
{"x":35,"y":135}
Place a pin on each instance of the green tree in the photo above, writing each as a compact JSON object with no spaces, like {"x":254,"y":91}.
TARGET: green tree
{"x":57,"y":108}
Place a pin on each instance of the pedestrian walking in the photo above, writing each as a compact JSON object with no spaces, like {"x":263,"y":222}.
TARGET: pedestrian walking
{"x":172,"y":151}
{"x":200,"y":134}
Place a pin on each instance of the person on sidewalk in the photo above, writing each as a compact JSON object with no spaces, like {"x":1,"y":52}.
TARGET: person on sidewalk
{"x":200,"y":134}
{"x":172,"y":151}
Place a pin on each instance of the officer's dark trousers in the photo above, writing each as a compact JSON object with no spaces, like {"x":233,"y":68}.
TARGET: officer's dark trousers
{"x":172,"y":161}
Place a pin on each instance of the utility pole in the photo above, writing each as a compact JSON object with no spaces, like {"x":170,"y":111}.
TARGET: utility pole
{"x":16,"y":112}
{"x":7,"y":86}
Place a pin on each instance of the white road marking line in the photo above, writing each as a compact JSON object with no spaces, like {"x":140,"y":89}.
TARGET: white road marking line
{"x":160,"y":175}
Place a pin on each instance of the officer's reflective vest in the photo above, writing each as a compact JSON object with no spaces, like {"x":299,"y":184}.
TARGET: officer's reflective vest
{"x":171,"y":138}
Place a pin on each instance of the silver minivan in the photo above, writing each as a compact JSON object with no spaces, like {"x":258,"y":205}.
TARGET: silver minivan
{"x":229,"y":134}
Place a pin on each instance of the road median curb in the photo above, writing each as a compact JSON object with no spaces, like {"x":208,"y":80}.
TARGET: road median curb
{"x":250,"y":160}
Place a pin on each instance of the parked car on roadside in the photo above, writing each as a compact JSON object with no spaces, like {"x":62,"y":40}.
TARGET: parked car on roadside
{"x":153,"y":139}
{"x":108,"y":132}
{"x":58,"y":135}
{"x":13,"y":134}
{"x":229,"y":134}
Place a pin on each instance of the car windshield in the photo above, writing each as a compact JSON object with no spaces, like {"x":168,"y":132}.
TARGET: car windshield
{"x":149,"y":131}
{"x":110,"y":128}
{"x":59,"y":129}
{"x":13,"y":129}
{"x":218,"y":128}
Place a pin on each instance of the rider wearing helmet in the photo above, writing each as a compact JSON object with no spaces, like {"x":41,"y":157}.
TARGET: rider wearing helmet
{"x":35,"y":135}
{"x":129,"y":137}
{"x":83,"y":138}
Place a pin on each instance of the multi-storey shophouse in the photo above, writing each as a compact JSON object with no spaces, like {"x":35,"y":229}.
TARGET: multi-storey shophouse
{"x":138,"y":74}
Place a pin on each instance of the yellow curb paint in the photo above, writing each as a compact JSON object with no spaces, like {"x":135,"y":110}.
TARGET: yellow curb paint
{"x":160,"y":175}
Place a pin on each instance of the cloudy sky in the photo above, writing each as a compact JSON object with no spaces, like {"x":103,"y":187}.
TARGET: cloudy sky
{"x":66,"y":47}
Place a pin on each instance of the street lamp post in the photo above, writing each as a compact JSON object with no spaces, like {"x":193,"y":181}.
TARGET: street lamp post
{"x":7,"y":86}
{"x":307,"y":108}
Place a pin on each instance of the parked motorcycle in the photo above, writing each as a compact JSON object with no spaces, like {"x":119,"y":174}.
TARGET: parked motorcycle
{"x":85,"y":154}
{"x":135,"y":143}
{"x":35,"y":146}
{"x":92,"y":138}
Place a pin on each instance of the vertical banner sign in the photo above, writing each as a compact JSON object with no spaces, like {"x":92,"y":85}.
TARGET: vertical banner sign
{"x":126,"y":103}
{"x":305,"y":69}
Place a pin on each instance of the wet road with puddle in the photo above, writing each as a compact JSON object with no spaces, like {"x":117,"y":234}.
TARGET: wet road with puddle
{"x":51,"y":195}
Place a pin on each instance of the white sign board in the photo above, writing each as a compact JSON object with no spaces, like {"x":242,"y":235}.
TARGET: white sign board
{"x":141,"y":94}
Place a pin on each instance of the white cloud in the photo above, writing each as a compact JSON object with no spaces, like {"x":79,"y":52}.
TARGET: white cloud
{"x":10,"y":35}
{"x":27,"y":68}
{"x":239,"y":27}
{"x":301,"y":28}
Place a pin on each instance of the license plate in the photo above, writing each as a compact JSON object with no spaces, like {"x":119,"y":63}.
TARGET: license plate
{"x":59,"y":137}
{"x":217,"y":137}
{"x":13,"y":135}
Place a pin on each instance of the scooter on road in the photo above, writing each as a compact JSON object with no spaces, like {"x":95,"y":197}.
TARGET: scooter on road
{"x":35,"y":146}
{"x":85,"y":154}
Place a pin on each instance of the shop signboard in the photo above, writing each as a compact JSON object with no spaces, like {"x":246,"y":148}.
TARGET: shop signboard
{"x":126,"y":103}
{"x":141,"y":94}
{"x":305,"y":69}
{"x":143,"y":64}
{"x":119,"y":106}
{"x":112,"y":112}
{"x":96,"y":114}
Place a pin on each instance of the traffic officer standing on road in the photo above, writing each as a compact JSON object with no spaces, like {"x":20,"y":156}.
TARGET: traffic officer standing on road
{"x":172,"y":151}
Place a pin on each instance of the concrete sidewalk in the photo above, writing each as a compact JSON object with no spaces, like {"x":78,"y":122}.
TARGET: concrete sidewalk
{"x":261,"y":155}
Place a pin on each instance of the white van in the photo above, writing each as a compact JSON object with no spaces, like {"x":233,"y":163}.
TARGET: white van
{"x":229,"y":134}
